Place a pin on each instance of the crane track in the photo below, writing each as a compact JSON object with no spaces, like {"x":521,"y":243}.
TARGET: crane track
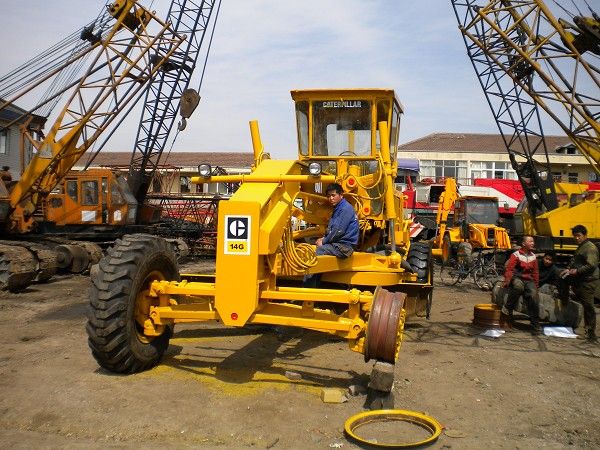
{"x":23,"y":262}
{"x":19,"y":266}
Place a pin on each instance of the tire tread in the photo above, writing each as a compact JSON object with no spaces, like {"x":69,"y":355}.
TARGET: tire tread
{"x":111,"y":328}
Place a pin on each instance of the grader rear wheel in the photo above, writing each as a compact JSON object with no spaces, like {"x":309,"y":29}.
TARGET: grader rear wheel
{"x":385,"y":326}
{"x":119,"y":305}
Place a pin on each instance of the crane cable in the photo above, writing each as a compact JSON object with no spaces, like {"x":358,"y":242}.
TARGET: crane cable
{"x":66,"y":58}
{"x":63,"y":51}
{"x":72,"y":69}
{"x":99,"y":145}
{"x":212,"y":33}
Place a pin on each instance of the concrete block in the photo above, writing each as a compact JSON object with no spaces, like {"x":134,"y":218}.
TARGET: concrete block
{"x":294,"y":376}
{"x":382,"y":377}
{"x":356,"y":389}
{"x":379,"y":400}
{"x":333,"y":395}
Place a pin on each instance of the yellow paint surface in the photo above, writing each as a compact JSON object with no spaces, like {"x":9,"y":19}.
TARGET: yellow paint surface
{"x":205,"y":369}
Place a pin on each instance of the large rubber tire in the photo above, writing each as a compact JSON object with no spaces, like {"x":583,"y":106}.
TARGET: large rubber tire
{"x":114,"y":336}
{"x":465,"y":252}
{"x":420,"y":260}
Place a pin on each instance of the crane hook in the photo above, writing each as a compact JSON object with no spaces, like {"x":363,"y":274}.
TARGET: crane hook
{"x":187,"y":105}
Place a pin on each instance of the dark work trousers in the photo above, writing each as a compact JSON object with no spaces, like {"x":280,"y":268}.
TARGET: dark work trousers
{"x":528,"y":290}
{"x":584,"y":294}
{"x":563,"y":287}
{"x":337,"y":250}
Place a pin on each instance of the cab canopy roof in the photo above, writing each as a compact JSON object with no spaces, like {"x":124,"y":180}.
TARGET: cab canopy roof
{"x":345,"y":93}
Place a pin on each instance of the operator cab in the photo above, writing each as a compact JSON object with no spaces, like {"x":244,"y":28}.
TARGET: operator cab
{"x":91,"y":197}
{"x":476,"y":210}
{"x":338,"y":130}
{"x":334,"y":124}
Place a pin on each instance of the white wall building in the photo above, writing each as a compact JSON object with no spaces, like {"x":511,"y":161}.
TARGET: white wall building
{"x":466,"y":156}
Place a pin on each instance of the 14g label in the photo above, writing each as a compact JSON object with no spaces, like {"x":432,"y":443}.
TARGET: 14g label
{"x":237,"y":235}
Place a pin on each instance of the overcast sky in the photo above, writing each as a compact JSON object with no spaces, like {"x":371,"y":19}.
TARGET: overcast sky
{"x":264,"y":48}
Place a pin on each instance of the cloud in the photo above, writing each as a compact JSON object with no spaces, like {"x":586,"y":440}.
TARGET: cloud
{"x":265,"y":48}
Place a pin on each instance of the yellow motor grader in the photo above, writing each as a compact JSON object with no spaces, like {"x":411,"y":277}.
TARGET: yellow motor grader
{"x":264,"y":246}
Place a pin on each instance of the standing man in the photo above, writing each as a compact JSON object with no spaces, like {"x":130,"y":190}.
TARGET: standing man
{"x":521,"y":277}
{"x":342,"y":231}
{"x":583,"y":274}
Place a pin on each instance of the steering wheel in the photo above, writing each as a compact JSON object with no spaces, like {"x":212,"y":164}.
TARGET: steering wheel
{"x":348,"y":153}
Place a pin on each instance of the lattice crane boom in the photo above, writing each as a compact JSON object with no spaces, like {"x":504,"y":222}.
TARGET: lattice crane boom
{"x":192,"y":19}
{"x":129,"y":56}
{"x":528,"y":61}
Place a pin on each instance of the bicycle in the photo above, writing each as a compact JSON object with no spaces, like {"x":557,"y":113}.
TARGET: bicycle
{"x":482,"y":270}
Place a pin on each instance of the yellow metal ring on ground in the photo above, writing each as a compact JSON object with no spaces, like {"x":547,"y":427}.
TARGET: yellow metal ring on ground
{"x":385,"y":415}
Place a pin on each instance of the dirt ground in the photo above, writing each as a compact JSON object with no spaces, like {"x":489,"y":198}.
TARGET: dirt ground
{"x":226,"y":388}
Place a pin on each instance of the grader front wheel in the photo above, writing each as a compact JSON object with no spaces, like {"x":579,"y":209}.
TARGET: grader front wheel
{"x":119,"y":305}
{"x":385,"y":326}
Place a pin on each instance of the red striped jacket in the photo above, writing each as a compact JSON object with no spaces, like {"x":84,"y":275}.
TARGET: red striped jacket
{"x":522,"y":265}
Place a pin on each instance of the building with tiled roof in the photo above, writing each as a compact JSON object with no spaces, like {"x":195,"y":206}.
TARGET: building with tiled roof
{"x":464,"y":156}
{"x":469,"y":155}
{"x":233,"y":162}
{"x":15,"y":150}
{"x":177,"y":168}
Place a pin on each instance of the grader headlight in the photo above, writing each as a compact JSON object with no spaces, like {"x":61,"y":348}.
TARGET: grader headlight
{"x":204,"y":170}
{"x":315,"y":169}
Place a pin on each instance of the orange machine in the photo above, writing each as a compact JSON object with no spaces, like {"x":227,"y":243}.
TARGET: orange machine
{"x":93,"y":197}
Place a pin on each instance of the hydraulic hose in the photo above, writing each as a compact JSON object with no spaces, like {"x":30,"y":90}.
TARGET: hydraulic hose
{"x":298,"y":256}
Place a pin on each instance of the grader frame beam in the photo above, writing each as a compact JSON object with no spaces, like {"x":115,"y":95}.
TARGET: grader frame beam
{"x":270,"y":310}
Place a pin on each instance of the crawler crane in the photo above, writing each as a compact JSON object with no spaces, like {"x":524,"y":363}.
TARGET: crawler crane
{"x":529,"y":63}
{"x":348,"y":136}
{"x":48,"y":214}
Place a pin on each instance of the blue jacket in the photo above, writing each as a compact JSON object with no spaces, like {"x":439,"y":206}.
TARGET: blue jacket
{"x":343,"y":225}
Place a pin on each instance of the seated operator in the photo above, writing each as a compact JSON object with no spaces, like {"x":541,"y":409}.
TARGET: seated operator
{"x":342,"y":231}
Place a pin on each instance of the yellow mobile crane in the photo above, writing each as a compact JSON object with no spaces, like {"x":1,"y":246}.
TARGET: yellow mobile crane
{"x":348,"y":136}
{"x":529,"y":62}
